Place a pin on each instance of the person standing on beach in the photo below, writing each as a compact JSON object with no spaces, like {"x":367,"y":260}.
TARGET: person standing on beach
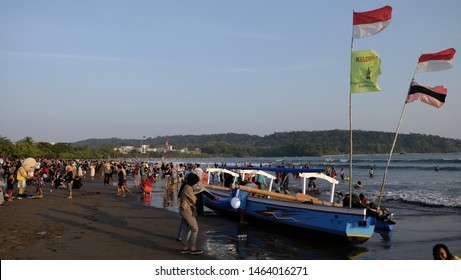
{"x":121,"y":181}
{"x":199,"y":186}
{"x":137,"y":175}
{"x":188,"y":213}
{"x":92,"y":171}
{"x":24,"y":172}
{"x":198,"y":170}
{"x":143,"y":172}
{"x":10,"y":186}
{"x":70,"y":176}
{"x":107,"y":173}
{"x":441,"y":252}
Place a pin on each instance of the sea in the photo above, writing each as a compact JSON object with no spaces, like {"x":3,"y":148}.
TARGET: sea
{"x":423,"y":191}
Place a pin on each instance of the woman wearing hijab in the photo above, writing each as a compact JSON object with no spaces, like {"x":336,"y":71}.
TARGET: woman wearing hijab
{"x":188,"y":213}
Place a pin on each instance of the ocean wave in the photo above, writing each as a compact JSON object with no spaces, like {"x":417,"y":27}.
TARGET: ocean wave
{"x":411,"y":182}
{"x":371,"y":160}
{"x":424,"y":199}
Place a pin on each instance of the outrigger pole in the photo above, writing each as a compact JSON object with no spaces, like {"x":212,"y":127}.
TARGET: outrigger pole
{"x":393,"y":144}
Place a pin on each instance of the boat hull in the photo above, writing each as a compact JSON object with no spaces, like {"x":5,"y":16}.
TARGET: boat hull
{"x":381,"y":225}
{"x":349,"y":223}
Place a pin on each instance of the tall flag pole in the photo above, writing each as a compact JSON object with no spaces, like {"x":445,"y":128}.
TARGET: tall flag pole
{"x":364,"y":24}
{"x":434,"y":96}
{"x":392,"y":150}
{"x":350,"y":127}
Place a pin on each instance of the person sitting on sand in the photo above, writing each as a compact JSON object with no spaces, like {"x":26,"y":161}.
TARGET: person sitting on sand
{"x":358,"y":185}
{"x":59,"y":183}
{"x":441,"y":252}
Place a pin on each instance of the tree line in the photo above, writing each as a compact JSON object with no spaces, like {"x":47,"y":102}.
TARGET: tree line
{"x":279,"y":144}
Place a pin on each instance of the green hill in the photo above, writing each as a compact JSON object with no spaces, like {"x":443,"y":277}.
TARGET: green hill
{"x":296,"y":143}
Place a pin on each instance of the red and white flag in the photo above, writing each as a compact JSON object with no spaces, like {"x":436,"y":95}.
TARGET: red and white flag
{"x":371,"y":22}
{"x":434,"y":96}
{"x":436,"y":61}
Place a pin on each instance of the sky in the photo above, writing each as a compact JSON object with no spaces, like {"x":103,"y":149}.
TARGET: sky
{"x":74,"y":70}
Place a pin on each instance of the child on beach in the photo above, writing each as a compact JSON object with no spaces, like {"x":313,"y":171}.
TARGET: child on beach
{"x":10,"y":186}
{"x":40,"y":184}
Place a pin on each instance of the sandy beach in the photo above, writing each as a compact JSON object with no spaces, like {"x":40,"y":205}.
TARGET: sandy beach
{"x":121,"y":237}
{"x":94,"y":225}
{"x":98,"y":225}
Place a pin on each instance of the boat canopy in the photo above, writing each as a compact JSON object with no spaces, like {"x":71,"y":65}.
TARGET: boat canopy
{"x":311,"y":173}
{"x":219,"y":170}
{"x":274,"y":169}
{"x":262,"y":173}
{"x":332,"y":180}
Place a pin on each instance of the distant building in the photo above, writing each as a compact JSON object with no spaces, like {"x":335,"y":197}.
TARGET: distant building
{"x":147,"y":149}
{"x":125,"y":149}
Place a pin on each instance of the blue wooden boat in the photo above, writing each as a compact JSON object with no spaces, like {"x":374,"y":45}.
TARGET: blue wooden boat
{"x":300,"y":211}
{"x":383,"y":219}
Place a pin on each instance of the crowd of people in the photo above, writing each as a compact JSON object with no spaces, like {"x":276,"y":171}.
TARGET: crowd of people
{"x":59,"y":173}
{"x":70,"y":174}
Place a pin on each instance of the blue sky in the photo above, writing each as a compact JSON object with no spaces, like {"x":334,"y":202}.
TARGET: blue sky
{"x":73,"y":70}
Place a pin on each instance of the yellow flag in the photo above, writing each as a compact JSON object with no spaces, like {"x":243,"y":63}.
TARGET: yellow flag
{"x":365,"y":70}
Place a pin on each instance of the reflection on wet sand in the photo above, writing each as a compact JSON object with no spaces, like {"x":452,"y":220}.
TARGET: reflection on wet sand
{"x":259,"y":242}
{"x":169,"y":197}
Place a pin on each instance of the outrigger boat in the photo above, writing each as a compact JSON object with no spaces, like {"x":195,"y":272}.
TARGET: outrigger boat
{"x":301,"y":211}
{"x":383,"y":218}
